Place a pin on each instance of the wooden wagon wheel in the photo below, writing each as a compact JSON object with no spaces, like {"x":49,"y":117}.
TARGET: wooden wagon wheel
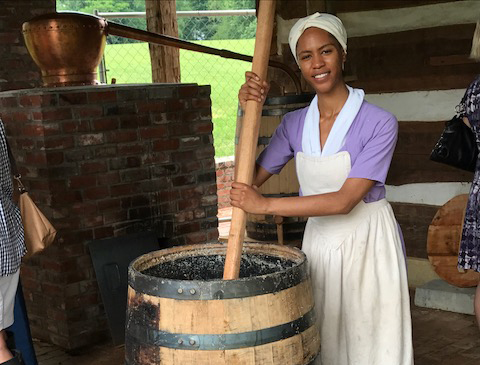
{"x":443,"y":243}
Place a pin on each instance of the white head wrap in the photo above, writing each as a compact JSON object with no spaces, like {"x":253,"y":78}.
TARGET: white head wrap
{"x":327,"y":22}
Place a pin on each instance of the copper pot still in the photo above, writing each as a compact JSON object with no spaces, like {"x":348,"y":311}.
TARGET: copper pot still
{"x":67,"y":47}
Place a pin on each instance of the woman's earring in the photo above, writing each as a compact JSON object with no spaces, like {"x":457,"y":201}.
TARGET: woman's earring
{"x":343,"y":66}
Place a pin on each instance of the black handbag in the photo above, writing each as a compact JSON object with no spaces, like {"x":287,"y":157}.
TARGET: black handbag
{"x":457,"y":146}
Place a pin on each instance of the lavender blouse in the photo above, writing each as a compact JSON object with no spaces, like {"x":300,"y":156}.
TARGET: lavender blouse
{"x":370,"y":142}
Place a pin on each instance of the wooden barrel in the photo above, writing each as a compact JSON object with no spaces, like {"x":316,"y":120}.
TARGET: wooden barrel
{"x":443,"y":243}
{"x":181,"y":311}
{"x":263,"y":227}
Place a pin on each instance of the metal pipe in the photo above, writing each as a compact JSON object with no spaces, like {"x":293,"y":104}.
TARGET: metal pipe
{"x":145,"y":36}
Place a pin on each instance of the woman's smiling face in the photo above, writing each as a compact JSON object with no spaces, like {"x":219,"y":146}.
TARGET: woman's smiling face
{"x":320,"y":58}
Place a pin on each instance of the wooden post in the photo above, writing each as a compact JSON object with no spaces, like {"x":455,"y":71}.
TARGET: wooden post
{"x":162,"y":19}
{"x":249,"y":136}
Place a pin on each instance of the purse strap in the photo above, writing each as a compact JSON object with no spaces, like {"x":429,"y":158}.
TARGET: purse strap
{"x":14,"y":169}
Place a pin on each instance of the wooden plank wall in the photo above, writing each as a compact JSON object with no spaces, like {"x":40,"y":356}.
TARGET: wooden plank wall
{"x":411,"y":58}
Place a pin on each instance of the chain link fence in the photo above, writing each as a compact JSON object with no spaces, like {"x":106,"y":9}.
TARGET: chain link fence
{"x":128,"y":61}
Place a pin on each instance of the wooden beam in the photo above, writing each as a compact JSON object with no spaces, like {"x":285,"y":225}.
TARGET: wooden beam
{"x":162,"y":19}
{"x":343,"y":6}
{"x":414,"y":220}
{"x":411,"y":160}
{"x":422,"y":59}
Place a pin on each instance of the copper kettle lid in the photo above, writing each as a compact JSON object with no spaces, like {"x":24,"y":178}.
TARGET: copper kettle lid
{"x":76,"y":19}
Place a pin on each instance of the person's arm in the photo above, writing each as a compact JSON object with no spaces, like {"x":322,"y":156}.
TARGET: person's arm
{"x":261,"y":175}
{"x":339,"y":202}
{"x":371,"y":166}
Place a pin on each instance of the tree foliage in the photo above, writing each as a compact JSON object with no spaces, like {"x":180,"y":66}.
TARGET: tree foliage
{"x":89,"y":6}
{"x":189,"y":28}
{"x":109,"y":6}
{"x":231,"y":27}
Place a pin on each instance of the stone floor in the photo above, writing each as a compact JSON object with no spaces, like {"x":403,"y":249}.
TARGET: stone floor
{"x":446,"y":338}
{"x":101,"y":354}
{"x":439,"y":337}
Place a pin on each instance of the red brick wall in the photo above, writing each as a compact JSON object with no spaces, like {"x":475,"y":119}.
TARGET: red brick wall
{"x":17,"y":69}
{"x":101,"y":162}
{"x":225,"y":172}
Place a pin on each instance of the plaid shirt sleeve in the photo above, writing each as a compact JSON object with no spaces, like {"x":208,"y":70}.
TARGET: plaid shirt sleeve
{"x":12,"y":245}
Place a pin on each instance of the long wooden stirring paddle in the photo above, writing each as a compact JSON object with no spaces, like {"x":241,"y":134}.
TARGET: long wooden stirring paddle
{"x":248,"y":137}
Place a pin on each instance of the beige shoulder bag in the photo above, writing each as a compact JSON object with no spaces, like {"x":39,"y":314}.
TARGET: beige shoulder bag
{"x":39,"y":232}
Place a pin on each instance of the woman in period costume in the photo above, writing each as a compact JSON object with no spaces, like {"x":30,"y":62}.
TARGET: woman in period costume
{"x":342,"y":147}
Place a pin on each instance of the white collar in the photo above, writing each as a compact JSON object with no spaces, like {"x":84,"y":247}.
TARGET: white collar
{"x":336,"y":137}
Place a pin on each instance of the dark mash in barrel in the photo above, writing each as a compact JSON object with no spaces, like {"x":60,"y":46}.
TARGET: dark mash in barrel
{"x":209,"y":267}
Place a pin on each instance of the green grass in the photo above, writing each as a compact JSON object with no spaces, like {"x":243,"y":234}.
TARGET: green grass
{"x":130,"y":63}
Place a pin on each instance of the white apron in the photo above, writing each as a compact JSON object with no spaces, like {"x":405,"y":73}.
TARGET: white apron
{"x":358,"y":274}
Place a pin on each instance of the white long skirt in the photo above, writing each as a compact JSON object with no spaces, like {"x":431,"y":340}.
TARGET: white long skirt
{"x":360,"y":287}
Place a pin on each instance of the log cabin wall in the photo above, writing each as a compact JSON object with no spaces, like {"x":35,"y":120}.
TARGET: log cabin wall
{"x":411,"y":58}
